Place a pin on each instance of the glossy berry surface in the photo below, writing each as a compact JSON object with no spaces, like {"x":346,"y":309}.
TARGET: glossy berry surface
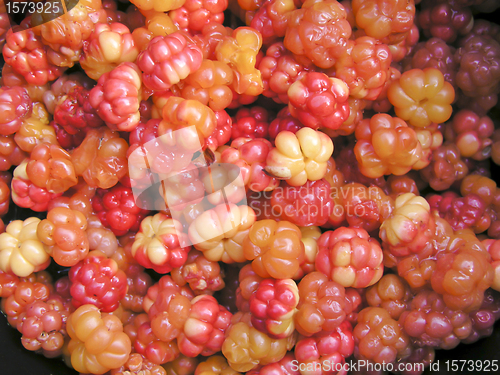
{"x":98,"y":342}
{"x":388,"y":21}
{"x":120,"y":88}
{"x":25,"y":52}
{"x":380,"y":144}
{"x":299,"y":157}
{"x":326,"y":347}
{"x":270,"y":187}
{"x":430,"y":323}
{"x":274,"y":248}
{"x":16,"y":105}
{"x":422,"y":97}
{"x":272,"y":307}
{"x":117,"y":209}
{"x":378,"y":337}
{"x":204,"y":328}
{"x":322,"y":305}
{"x":350,"y":257}
{"x":250,"y":122}
{"x":108,"y":46}
{"x":63,"y":234}
{"x":307,"y":205}
{"x":324,"y":22}
{"x":21,"y":252}
{"x":158,"y":244}
{"x":167,"y":60}
{"x":319,"y":101}
{"x":97,"y":281}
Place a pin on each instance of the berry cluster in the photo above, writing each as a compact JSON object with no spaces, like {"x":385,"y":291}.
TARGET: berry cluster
{"x":240,"y":186}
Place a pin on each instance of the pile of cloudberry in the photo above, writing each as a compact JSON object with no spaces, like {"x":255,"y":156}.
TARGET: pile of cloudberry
{"x":359,"y":220}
